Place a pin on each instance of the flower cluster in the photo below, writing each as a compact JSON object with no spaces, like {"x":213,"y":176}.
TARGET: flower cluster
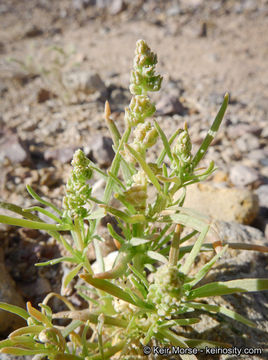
{"x":145,"y":136}
{"x":166,"y":291}
{"x":182,"y":153}
{"x":143,"y":76}
{"x":76,"y":200}
{"x":142,"y":80}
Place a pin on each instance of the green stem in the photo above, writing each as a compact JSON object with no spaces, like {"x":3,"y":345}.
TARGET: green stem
{"x":77,"y":230}
{"x":115,"y":166}
{"x":174,"y":247}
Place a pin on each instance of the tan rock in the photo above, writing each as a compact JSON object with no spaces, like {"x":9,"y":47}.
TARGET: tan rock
{"x":227,"y":204}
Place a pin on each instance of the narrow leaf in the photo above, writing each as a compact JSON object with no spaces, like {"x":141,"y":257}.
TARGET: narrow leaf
{"x":15,"y":310}
{"x":69,"y":277}
{"x":184,"y":219}
{"x":229,"y":287}
{"x":205,"y":269}
{"x":33,"y":224}
{"x":44,"y":212}
{"x":22,"y":351}
{"x":139,"y":276}
{"x":56,"y":261}
{"x":42,"y":201}
{"x":37,"y":315}
{"x":195,"y":251}
{"x":18,"y":210}
{"x":211,"y":133}
{"x":135,"y":241}
{"x":222,"y":310}
{"x":181,"y":322}
{"x":164,"y":140}
{"x":145,"y":167}
{"x":111,"y":289}
{"x":31,"y":329}
{"x":163,"y":153}
{"x":157,"y":256}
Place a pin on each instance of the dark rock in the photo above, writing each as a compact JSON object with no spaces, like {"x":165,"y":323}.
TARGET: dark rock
{"x":119,"y":98}
{"x":43,"y":95}
{"x":39,"y":288}
{"x":12,"y":147}
{"x":8,"y":294}
{"x":83,"y":4}
{"x":204,"y":29}
{"x":3,"y":87}
{"x":100,"y":151}
{"x":33,"y":32}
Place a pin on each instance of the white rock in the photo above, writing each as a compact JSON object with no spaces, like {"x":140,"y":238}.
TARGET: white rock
{"x":241,"y":175}
{"x":108,"y":262}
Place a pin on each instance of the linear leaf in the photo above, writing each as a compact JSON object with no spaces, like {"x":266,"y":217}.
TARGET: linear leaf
{"x":157,"y":256}
{"x":37,"y":315}
{"x":164,"y":140}
{"x":112,"y":289}
{"x":18,"y":210}
{"x":15,"y":310}
{"x":145,"y":167}
{"x":181,"y":322}
{"x":22,"y":351}
{"x":44,"y":212}
{"x":195,"y":250}
{"x":33,"y":224}
{"x":58,"y":260}
{"x":42,"y":201}
{"x":163,"y":153}
{"x":229,"y":287}
{"x":31,"y":329}
{"x":205,"y":269}
{"x":186,"y":220}
{"x":211,"y":133}
{"x":135,"y":241}
{"x":222,"y":310}
{"x":69,"y":277}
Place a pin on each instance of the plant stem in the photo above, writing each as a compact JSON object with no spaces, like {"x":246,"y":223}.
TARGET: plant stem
{"x":115,"y":165}
{"x":174,"y":247}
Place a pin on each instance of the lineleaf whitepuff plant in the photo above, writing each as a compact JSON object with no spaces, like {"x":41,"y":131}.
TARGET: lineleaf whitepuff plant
{"x":148,"y":296}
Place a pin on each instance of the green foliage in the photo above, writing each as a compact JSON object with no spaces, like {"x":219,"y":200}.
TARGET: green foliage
{"x":126,"y":310}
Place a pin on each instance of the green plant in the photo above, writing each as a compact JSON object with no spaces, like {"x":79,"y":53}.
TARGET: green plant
{"x":126,"y":310}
